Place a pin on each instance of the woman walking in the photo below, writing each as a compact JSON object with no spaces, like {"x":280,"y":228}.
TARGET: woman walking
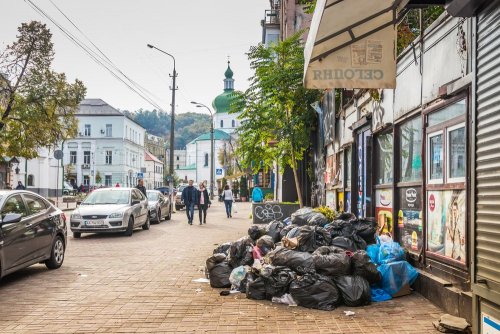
{"x":203,"y":203}
{"x":228,"y":200}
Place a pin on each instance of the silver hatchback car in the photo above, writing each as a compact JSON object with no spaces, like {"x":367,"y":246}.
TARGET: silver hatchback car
{"x":111,"y":210}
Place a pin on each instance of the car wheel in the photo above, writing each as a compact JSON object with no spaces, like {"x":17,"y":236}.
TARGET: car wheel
{"x":77,"y":235}
{"x":56,"y":255}
{"x":130,"y":227}
{"x":169,"y":216}
{"x":146,"y":225}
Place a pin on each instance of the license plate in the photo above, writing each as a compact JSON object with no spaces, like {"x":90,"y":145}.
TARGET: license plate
{"x":94,"y":222}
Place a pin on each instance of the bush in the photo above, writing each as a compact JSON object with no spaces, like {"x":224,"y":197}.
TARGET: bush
{"x":327,"y":212}
{"x":243,"y":187}
{"x":269,"y":197}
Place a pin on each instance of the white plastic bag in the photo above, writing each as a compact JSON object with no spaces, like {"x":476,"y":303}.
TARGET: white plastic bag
{"x":235,"y":208}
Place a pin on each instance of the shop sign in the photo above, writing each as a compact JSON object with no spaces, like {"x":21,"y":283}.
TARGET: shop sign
{"x":383,"y":210}
{"x":340,"y":197}
{"x":489,"y":325}
{"x":446,"y":223}
{"x":410,"y":219}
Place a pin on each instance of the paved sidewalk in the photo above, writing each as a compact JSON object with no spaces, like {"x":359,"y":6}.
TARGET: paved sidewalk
{"x":143,"y":284}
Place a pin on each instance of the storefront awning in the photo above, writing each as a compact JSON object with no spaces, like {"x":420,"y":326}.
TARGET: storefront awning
{"x":352,"y":44}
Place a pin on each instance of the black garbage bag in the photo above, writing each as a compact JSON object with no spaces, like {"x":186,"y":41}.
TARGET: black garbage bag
{"x":346,"y":243}
{"x":340,"y":228}
{"x":278,"y":283}
{"x":334,"y":264}
{"x":317,"y":219}
{"x":355,"y":290}
{"x":265,"y":243}
{"x":315,"y":291}
{"x":214,"y":260}
{"x":301,"y":216}
{"x":240,"y":253}
{"x":294,"y":232}
{"x":256,"y":289}
{"x":359,"y":242}
{"x":346,"y":216}
{"x":219,"y":275}
{"x":285,"y":230}
{"x":366,"y":228}
{"x":300,"y":262}
{"x":273,"y":230}
{"x":325,"y":250}
{"x":363,"y":266}
{"x":255,"y":232}
{"x":249,"y":276}
{"x":307,"y":239}
{"x":223,"y":248}
{"x":322,"y":237}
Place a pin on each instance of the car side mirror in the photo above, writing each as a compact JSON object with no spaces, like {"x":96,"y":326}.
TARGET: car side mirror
{"x":136,"y":202}
{"x":11,"y":218}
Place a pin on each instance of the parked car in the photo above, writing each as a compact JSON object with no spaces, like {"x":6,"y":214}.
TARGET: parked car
{"x":164,"y":190}
{"x":109,"y":210}
{"x":159,"y":206}
{"x":68,"y":189}
{"x":32,"y":230}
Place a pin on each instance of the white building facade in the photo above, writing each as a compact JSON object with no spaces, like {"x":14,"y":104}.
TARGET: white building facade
{"x":108,"y":150}
{"x":153,"y":177}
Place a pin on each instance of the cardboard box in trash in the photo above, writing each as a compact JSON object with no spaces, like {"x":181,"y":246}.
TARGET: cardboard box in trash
{"x":404,"y":291}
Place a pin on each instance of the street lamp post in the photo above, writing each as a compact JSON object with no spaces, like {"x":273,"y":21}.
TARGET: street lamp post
{"x":172,"y":120}
{"x":201,"y":105}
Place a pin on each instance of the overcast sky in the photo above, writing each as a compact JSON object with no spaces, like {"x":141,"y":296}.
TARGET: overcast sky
{"x":201,"y":34}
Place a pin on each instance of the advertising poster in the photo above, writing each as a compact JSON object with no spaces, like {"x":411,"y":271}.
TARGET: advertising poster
{"x":446,"y":223}
{"x":410,"y":219}
{"x":383,"y":210}
{"x":347,"y":201}
{"x":330,"y":199}
{"x":340,"y":197}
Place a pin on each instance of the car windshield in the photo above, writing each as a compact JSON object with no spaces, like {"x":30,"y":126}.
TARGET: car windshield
{"x":108,"y":197}
{"x":152,"y":196}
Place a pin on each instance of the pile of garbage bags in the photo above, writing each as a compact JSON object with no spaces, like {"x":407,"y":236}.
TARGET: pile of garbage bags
{"x":312,"y":262}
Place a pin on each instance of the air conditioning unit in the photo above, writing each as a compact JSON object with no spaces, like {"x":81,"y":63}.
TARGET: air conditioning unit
{"x":86,"y":166}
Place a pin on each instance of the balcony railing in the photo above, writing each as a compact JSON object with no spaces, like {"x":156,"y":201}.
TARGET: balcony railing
{"x":272,"y":17}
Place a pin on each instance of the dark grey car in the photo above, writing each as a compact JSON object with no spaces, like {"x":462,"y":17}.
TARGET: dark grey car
{"x":31,"y":231}
{"x":159,"y":206}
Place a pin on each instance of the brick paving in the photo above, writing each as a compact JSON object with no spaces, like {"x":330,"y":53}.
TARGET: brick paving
{"x":143,"y":284}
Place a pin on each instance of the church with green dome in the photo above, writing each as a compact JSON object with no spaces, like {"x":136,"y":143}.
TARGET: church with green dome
{"x":223,"y":120}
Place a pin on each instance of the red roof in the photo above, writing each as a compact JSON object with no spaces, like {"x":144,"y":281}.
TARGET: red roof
{"x":150,"y":157}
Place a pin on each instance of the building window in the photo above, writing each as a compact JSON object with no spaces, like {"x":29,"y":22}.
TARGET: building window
{"x":109,"y":157}
{"x":87,"y":132}
{"x":177,"y":158}
{"x":72,"y":157}
{"x":221,"y":123}
{"x":206,"y":160}
{"x":31,"y":180}
{"x":109,"y":130}
{"x":177,"y":166}
{"x":86,"y":180}
{"x":107,"y":181}
{"x":383,"y":147}
{"x":410,"y":148}
{"x":86,"y":157}
{"x":233,"y":123}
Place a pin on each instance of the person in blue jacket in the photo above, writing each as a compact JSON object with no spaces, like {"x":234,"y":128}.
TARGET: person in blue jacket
{"x":257,"y":195}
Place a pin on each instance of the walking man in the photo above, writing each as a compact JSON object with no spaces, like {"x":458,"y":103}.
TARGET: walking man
{"x":140,"y":186}
{"x":203,"y":203}
{"x":20,"y":186}
{"x":190,"y":198}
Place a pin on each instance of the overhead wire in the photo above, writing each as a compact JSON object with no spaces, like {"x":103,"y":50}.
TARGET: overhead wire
{"x":100,"y":58}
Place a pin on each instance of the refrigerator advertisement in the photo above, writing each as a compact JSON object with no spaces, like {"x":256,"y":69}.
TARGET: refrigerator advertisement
{"x":383,"y":210}
{"x":410,"y":219}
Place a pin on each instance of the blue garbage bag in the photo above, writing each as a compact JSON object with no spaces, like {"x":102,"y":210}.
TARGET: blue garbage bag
{"x":373,"y":251}
{"x":395,"y":275}
{"x":390,"y":252}
{"x":379,"y":295}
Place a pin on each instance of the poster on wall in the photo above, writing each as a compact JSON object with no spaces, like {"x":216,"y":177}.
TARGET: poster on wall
{"x":383,"y":210}
{"x":446,"y":223}
{"x":347,"y":201}
{"x":340,"y":203}
{"x":329,"y":172}
{"x":410,"y":219}
{"x":330,"y":199}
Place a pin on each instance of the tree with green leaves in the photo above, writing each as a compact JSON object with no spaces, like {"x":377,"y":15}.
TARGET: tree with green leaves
{"x":37,"y":105}
{"x":277,"y":117}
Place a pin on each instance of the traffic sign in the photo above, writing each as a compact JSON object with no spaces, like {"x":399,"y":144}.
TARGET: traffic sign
{"x":140,"y":175}
{"x":218,"y":171}
{"x":58,"y":154}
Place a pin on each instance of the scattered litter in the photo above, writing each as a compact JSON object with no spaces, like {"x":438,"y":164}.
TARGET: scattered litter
{"x":451,"y":324}
{"x":198,"y":290}
{"x":286,"y":299}
{"x":201,"y":280}
{"x":349,"y":313}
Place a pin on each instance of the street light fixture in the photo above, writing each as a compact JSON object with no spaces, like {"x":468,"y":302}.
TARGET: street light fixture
{"x":201,"y":105}
{"x":172,"y":119}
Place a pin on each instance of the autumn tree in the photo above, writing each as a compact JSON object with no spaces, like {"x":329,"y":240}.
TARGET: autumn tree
{"x":277,"y":117}
{"x":37,"y":104}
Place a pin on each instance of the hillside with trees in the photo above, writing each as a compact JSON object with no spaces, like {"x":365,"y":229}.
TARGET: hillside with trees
{"x":188,"y":126}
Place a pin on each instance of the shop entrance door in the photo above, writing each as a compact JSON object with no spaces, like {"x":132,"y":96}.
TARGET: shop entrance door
{"x":364,"y":172}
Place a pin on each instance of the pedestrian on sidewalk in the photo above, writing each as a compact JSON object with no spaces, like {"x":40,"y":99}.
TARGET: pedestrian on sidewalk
{"x":117,"y":185}
{"x":140,"y":186}
{"x":257,"y":195}
{"x":190,"y":198}
{"x":20,"y":186}
{"x":203,"y":203}
{"x":228,"y":200}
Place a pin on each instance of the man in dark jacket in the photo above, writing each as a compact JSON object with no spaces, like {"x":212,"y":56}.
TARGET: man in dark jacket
{"x":140,"y":186}
{"x":190,"y":198}
{"x":20,"y":186}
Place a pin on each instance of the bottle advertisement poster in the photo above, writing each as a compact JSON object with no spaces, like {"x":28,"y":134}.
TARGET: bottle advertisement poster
{"x":446,"y":223}
{"x":383,"y":210}
{"x":410,"y":219}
